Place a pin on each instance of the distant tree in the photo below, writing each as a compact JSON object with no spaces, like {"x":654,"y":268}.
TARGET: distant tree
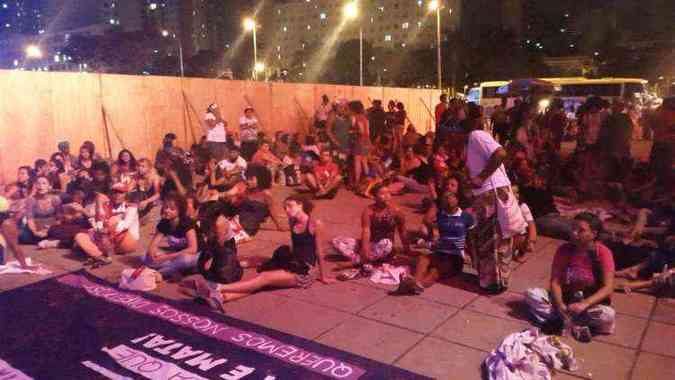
{"x":344,"y":66}
{"x":114,"y":52}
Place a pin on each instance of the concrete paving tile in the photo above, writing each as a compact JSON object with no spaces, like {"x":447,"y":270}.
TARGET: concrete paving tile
{"x":478,"y":330}
{"x":285,"y":314}
{"x":343,"y":296}
{"x":371,"y":339}
{"x":456,"y":292}
{"x":599,"y":360}
{"x":409,"y":312}
{"x":653,"y":367}
{"x":628,"y":332}
{"x":635,"y":304}
{"x":665,"y":311}
{"x":659,"y":339}
{"x":507,"y":305}
{"x":443,"y":360}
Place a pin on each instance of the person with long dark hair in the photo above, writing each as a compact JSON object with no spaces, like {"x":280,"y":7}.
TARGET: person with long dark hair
{"x":179,"y":234}
{"x":361,"y":140}
{"x":290,"y":266}
{"x":582,"y":283}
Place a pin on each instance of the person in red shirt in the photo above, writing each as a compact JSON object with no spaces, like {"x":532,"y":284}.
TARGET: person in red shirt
{"x":325,"y":179}
{"x":440,"y":108}
{"x":582,"y":282}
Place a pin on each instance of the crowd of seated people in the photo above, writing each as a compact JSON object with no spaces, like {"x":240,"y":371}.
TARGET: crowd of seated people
{"x":485,"y":201}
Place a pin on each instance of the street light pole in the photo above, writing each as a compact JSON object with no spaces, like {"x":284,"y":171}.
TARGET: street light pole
{"x":351,"y":12}
{"x":438,"y":48}
{"x":250,"y":25}
{"x":255,"y":55}
{"x":361,"y":56}
{"x":180,"y":55}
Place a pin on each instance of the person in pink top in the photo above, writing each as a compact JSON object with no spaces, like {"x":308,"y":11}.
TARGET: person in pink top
{"x":582,"y":282}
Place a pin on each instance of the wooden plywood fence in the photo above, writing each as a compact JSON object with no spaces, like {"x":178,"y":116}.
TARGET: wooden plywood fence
{"x":39,"y":109}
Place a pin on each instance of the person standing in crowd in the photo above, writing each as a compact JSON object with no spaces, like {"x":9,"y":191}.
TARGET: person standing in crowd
{"x":321,"y":116}
{"x":168,"y":151}
{"x":555,"y":121}
{"x":582,"y":282}
{"x":216,"y":132}
{"x":615,"y":137}
{"x":377,"y":119}
{"x":440,"y":109}
{"x":248,"y":133}
{"x":361,"y":141}
{"x":339,"y":127}
{"x":500,"y":122}
{"x":662,"y":156}
{"x":400,"y":118}
{"x":491,"y":249}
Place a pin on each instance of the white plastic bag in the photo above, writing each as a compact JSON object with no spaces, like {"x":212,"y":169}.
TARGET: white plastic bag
{"x":143,"y":279}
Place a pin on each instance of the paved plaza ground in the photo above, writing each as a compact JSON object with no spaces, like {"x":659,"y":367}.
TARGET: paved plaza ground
{"x":444,"y":333}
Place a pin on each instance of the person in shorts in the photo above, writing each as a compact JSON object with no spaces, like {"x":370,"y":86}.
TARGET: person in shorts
{"x":447,"y":258}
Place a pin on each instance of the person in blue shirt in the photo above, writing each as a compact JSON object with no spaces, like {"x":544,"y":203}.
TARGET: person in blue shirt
{"x":447,"y":258}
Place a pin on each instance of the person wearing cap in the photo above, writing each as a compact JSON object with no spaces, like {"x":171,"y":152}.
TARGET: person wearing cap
{"x":248,"y":133}
{"x":116,"y":229}
{"x":216,"y":132}
{"x":168,"y":150}
{"x":321,"y":115}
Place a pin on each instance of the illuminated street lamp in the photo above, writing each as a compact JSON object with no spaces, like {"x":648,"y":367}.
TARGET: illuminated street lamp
{"x":351,"y":12}
{"x":435,"y":6}
{"x":251,"y":26}
{"x":165,"y":33}
{"x":33,"y":52}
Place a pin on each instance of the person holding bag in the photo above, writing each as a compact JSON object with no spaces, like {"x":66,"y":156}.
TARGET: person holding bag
{"x":498,"y":215}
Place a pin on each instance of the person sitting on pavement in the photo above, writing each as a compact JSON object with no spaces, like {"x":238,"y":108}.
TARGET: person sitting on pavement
{"x":379,"y":224}
{"x":582,"y":282}
{"x":448,"y":258}
{"x":116,"y":229}
{"x":325,"y":179}
{"x":177,"y":230}
{"x":290,"y":266}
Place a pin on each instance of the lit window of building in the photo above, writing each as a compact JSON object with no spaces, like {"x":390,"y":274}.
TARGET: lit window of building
{"x":405,"y":25}
{"x":322,"y":16}
{"x":387,"y":37}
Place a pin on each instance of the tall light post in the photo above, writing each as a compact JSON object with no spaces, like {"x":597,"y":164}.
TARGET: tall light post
{"x":165,"y":33}
{"x":251,"y":26}
{"x":351,"y":12}
{"x":435,"y":6}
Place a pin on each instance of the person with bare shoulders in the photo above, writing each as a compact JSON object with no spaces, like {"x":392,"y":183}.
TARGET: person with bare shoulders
{"x":380,"y":222}
{"x":361,"y":144}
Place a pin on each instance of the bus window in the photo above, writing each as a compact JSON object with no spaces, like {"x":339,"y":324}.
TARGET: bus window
{"x":490,"y":92}
{"x":613,"y":89}
{"x":632,"y":88}
{"x":474,"y":95}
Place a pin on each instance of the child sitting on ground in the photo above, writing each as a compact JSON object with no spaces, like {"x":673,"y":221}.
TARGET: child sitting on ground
{"x":448,"y":257}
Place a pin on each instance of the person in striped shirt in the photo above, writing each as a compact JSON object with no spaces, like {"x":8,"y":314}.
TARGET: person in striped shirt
{"x":448,"y":257}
